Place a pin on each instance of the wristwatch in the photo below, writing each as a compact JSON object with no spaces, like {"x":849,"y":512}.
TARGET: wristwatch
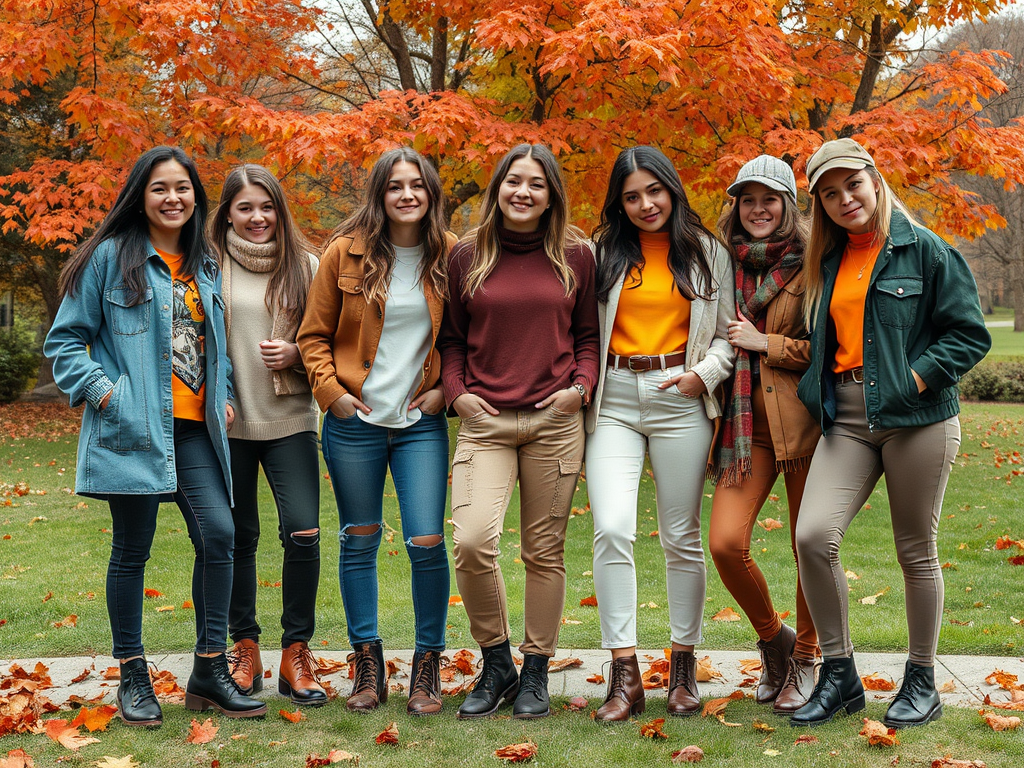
{"x":582,"y":390}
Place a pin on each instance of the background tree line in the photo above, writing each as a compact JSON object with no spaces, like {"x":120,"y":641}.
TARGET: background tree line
{"x":317,"y":92}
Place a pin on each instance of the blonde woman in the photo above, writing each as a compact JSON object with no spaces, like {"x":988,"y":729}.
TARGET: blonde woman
{"x":895,"y":322}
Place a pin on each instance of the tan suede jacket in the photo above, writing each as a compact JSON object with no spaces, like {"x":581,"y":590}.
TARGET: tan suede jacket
{"x":794,"y":432}
{"x":340,"y":331}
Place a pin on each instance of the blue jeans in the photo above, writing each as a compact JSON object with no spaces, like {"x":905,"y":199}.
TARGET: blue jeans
{"x":358,"y":455}
{"x":203,"y":500}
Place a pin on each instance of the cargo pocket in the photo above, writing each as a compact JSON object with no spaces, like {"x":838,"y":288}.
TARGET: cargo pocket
{"x":462,"y":479}
{"x":565,"y":486}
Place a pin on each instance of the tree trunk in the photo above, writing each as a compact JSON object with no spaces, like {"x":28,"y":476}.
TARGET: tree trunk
{"x":1017,"y":294}
{"x":439,"y":56}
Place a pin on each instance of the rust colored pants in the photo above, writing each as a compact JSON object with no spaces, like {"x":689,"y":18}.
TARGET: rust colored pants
{"x":733,"y":514}
{"x":543,"y":450}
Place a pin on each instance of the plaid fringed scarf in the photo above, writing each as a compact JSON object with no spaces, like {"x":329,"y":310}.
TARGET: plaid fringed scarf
{"x":762,"y":269}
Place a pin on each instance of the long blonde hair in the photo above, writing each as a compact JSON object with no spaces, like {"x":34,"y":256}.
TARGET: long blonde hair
{"x":487,"y":245}
{"x":826,"y":236}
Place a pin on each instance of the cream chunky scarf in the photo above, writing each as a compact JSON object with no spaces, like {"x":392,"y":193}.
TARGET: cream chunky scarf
{"x":261,"y":258}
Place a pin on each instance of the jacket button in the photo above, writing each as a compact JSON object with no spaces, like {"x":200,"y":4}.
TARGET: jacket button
{"x":165,"y":355}
{"x":870,"y":341}
{"x":899,"y":291}
{"x":768,"y":389}
{"x":366,"y":364}
{"x":871,"y":384}
{"x":166,"y":307}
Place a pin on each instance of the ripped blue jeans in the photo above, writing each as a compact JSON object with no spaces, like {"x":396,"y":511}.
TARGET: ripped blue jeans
{"x":358,"y":455}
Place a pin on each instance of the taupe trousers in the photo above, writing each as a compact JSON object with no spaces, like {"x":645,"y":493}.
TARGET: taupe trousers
{"x":543,"y":450}
{"x":847,"y":464}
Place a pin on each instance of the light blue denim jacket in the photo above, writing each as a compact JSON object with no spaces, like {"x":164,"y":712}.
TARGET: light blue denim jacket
{"x":98,"y":343}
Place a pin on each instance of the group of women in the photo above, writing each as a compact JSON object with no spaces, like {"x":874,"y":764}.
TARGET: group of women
{"x":826,"y":351}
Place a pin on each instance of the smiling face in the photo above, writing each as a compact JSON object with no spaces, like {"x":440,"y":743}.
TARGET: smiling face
{"x":761,"y":209}
{"x":406,"y":199}
{"x":646,"y":201}
{"x":849,"y":198}
{"x":170,"y":198}
{"x":253,"y":215}
{"x":524,"y":195}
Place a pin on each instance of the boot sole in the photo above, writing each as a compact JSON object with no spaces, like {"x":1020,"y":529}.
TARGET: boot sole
{"x":201,"y":704}
{"x":934,"y":714}
{"x":853,"y":705}
{"x":286,"y":690}
{"x":508,"y":697}
{"x":153,"y":724}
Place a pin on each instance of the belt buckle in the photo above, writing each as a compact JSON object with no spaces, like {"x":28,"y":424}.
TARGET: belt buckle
{"x":853,"y":375}
{"x":641,"y":358}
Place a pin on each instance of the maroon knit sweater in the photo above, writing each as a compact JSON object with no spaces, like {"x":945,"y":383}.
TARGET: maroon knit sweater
{"x":520,"y":338}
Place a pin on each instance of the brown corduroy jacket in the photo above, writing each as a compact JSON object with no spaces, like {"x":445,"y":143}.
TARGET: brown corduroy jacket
{"x":340,"y":331}
{"x":794,"y":432}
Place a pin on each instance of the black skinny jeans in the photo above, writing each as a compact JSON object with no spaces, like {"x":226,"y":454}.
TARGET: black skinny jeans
{"x":292,"y":467}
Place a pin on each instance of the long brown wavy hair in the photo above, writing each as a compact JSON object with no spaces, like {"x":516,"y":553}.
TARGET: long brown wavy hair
{"x":292,"y":275}
{"x":371,"y":221}
{"x":558,"y":234}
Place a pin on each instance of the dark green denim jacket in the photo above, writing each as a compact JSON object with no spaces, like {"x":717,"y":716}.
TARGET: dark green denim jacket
{"x":922,"y":313}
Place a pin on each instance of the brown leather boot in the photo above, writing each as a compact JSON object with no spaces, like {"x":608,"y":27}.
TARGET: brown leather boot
{"x":425,"y":684}
{"x":297,"y":677}
{"x":775,"y":655}
{"x":246,"y":666}
{"x":683,"y":698}
{"x":370,"y":683}
{"x":625,"y":691}
{"x":798,"y":686}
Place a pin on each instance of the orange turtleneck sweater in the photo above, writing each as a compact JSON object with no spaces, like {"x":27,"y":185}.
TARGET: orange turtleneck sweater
{"x":848,"y":296}
{"x":652,"y":317}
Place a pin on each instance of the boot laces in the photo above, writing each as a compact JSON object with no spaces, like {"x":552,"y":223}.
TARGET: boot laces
{"x":424,"y":673}
{"x":307,"y":663}
{"x":366,"y":671}
{"x":682,"y":676}
{"x":913,"y":688}
{"x":531,"y":680}
{"x":241,"y":661}
{"x":140,"y":687}
{"x":618,"y":679}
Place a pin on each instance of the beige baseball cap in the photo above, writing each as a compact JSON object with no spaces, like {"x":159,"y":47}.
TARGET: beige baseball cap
{"x":840,"y":153}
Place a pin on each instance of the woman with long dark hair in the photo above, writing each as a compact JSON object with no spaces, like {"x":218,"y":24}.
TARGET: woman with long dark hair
{"x":519,"y":350}
{"x":367,"y":340}
{"x":267,"y":267}
{"x":664,"y":287}
{"x":895,"y":323}
{"x":139,"y":338}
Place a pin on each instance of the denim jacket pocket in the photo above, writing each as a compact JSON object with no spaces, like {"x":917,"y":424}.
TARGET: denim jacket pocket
{"x":897,"y":300}
{"x":129,"y":319}
{"x":124,"y":426}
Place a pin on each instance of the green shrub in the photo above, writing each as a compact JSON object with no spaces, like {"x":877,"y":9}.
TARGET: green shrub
{"x":18,"y":363}
{"x":999,"y":381}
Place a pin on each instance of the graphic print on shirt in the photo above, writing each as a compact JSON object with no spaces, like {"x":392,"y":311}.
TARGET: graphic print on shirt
{"x":188,"y":336}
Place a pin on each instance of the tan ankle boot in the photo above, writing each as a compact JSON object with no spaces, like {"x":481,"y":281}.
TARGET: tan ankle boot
{"x":625,"y":691}
{"x":246,"y":666}
{"x":297,"y":677}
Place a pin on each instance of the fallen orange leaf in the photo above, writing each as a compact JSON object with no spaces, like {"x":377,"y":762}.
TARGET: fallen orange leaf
{"x":95,"y":719}
{"x":17,"y":758}
{"x":875,"y":682}
{"x":463,"y":661}
{"x":806,"y":739}
{"x":591,"y":601}
{"x":67,"y":621}
{"x":576,"y":703}
{"x":1002,"y":679}
{"x":878,"y":735}
{"x":66,"y":734}
{"x":164,"y":608}
{"x":706,"y":671}
{"x":292,"y":717}
{"x":563,"y":664}
{"x":389,"y":735}
{"x":201,"y":733}
{"x":1016,"y":701}
{"x":148,"y":592}
{"x":47,"y":596}
{"x":716,"y":707}
{"x":690,"y":754}
{"x":770,"y":524}
{"x":948,"y":762}
{"x":455,"y":600}
{"x":517,"y":753}
{"x":999,"y":722}
{"x":762,"y":726}
{"x":726,"y":614}
{"x":596,"y":679}
{"x":652,"y":730}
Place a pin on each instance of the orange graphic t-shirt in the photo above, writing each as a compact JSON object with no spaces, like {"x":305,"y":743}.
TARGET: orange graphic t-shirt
{"x":188,"y":342}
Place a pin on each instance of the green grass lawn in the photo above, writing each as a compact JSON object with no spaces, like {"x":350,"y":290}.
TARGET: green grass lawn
{"x":54,"y":548}
{"x":1006,"y":344}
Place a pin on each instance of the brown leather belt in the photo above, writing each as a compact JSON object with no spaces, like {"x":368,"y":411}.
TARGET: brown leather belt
{"x":854,"y":374}
{"x":640,"y":363}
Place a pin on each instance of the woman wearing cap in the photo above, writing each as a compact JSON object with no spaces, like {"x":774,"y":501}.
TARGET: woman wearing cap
{"x":664,"y":287}
{"x":766,"y":429}
{"x":895,"y":323}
